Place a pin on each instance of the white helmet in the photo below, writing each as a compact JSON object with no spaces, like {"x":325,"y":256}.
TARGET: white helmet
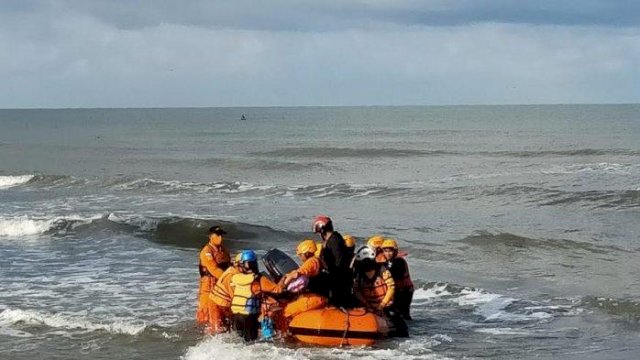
{"x":365,"y":253}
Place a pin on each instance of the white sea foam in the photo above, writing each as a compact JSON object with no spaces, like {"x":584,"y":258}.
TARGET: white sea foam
{"x":436,"y":291}
{"x":233,"y":348}
{"x":492,"y":307}
{"x":31,"y":317}
{"x":502,"y":331}
{"x":25,"y":225}
{"x":8,"y":181}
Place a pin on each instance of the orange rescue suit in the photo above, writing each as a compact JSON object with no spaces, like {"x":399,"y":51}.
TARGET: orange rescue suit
{"x":213,"y":261}
{"x":378,"y":291}
{"x":222,"y":292}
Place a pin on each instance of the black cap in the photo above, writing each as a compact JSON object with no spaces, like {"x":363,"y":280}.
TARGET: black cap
{"x":216,"y":230}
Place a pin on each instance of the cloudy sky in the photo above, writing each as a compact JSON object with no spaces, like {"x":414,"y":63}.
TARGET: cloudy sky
{"x":162,"y":53}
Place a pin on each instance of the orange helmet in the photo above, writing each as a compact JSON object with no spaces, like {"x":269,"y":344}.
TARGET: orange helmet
{"x":389,"y":243}
{"x":375,"y":242}
{"x":306,"y":246}
{"x":349,"y":241}
{"x":321,"y":223}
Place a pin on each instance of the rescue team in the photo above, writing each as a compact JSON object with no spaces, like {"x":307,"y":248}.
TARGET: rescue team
{"x":234,"y":294}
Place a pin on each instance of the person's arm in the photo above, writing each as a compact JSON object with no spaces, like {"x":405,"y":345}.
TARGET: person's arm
{"x":391,"y":289}
{"x":309,"y":268}
{"x":269,"y":286}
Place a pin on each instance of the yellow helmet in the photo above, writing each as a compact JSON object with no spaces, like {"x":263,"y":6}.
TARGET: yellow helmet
{"x":318,"y":249}
{"x":306,"y":246}
{"x":375,"y":241}
{"x":237,"y":258}
{"x":390,"y":243}
{"x":349,"y":241}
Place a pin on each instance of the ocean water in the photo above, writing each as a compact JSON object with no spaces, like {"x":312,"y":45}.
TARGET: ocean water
{"x":522,"y":223}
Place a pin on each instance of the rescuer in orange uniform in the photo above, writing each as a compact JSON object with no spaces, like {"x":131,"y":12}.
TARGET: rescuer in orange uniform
{"x":375,"y":289}
{"x":214,"y":260}
{"x":311,"y":265}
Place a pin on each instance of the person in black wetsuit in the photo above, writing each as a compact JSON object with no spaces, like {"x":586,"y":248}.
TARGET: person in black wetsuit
{"x":336,"y":261}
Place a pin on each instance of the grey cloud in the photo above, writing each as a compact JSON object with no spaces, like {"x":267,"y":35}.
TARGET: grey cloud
{"x":335,"y":15}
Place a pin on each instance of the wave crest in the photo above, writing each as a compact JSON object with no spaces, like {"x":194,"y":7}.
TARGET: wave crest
{"x":26,"y":226}
{"x":10,"y":317}
{"x":7,"y":181}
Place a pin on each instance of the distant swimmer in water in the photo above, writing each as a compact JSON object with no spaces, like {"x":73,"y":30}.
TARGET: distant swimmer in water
{"x":243,"y":117}
{"x":214,"y":260}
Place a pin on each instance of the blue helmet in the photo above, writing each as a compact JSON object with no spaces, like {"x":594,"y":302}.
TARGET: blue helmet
{"x":248,"y":255}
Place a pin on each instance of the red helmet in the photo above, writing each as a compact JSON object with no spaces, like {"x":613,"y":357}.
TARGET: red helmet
{"x":321,"y":223}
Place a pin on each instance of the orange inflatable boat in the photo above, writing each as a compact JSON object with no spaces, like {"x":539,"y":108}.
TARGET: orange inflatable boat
{"x":308,"y":319}
{"x":335,"y":327}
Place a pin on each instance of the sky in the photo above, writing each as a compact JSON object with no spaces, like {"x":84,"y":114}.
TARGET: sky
{"x":200,"y":53}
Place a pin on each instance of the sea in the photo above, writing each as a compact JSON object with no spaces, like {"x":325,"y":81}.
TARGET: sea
{"x":521,"y":223}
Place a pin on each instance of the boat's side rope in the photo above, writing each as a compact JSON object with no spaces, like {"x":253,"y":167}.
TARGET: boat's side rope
{"x":346,"y":326}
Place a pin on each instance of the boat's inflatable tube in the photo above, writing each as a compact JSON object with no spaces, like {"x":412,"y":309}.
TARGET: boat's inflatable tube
{"x":278,"y":264}
{"x":304,"y":302}
{"x":335,"y":327}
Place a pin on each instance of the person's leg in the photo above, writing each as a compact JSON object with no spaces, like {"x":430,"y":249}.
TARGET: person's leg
{"x":251,"y":328}
{"x":400,"y":328}
{"x":239,"y":324}
{"x":403,"y":303}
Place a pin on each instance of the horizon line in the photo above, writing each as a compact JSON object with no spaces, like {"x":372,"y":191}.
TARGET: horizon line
{"x":303,"y":106}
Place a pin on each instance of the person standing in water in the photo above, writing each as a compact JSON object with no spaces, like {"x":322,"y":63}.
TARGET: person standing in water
{"x":214,"y":260}
{"x":335,"y":261}
{"x":249,"y":287}
{"x":400,"y":273}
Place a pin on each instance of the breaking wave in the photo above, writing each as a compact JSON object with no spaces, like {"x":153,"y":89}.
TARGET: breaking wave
{"x":175,"y":231}
{"x":490,"y":307}
{"x":9,"y":317}
{"x":190,"y":232}
{"x":8,"y":181}
{"x":25,"y":225}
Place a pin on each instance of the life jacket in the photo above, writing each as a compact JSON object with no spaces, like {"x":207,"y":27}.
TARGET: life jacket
{"x":221,"y":293}
{"x":375,"y":289}
{"x":401,"y":275}
{"x":246,"y":294}
{"x":220,"y":256}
